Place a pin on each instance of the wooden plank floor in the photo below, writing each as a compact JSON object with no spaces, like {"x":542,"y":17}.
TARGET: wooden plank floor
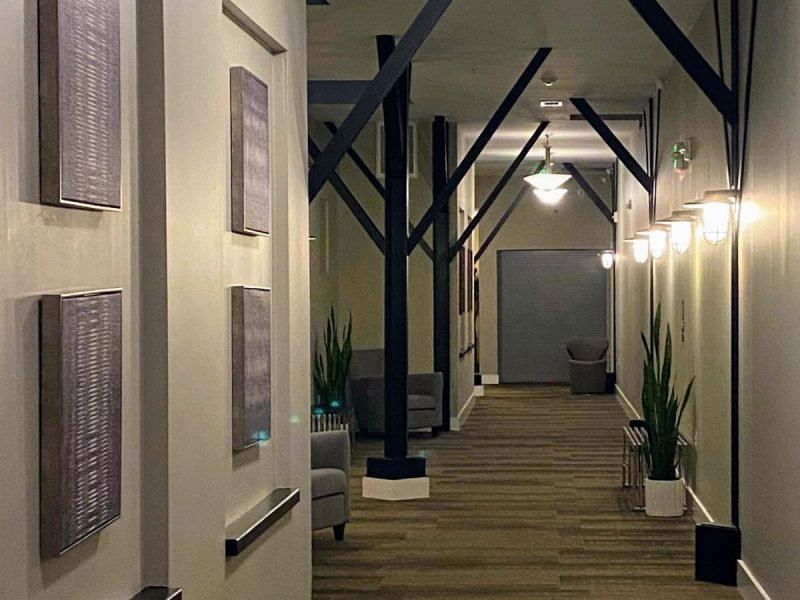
{"x":525,"y":504}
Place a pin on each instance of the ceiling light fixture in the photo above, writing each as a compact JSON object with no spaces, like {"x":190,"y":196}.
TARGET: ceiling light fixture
{"x":551,"y":103}
{"x":545,"y":179}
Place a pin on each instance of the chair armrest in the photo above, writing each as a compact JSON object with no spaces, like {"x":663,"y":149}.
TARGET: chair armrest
{"x":330,"y":450}
{"x":428,"y":384}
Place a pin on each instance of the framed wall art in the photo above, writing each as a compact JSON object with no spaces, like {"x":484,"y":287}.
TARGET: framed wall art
{"x":250,"y":155}
{"x":79,"y":103}
{"x":470,"y":280}
{"x":462,"y":278}
{"x":251,"y":365}
{"x":81,"y":417}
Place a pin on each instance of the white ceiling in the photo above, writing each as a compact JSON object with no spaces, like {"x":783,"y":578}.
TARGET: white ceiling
{"x":602,"y":50}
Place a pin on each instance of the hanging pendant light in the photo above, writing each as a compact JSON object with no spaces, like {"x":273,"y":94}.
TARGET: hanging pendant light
{"x":716,"y":207}
{"x":545,"y":179}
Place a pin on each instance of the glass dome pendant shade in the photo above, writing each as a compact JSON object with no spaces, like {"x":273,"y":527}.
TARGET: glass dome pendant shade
{"x":658,"y":243}
{"x":716,"y":207}
{"x":641,"y":248}
{"x":550,"y":197}
{"x":681,"y":236}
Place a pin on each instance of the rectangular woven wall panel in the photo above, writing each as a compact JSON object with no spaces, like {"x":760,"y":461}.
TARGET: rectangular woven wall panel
{"x":250,"y":171}
{"x":251,"y":366}
{"x":79,"y":103}
{"x":81,"y":417}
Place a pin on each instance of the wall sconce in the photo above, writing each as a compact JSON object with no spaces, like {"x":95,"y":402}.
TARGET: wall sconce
{"x":607,"y":259}
{"x":641,"y":248}
{"x":658,"y":236}
{"x":716,"y":207}
{"x":680,"y":230}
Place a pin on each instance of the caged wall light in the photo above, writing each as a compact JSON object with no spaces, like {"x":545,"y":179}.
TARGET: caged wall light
{"x":716,"y":218}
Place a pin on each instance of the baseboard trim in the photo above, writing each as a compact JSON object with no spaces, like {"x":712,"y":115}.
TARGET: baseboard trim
{"x":626,"y":404}
{"x":491,"y":379}
{"x":457,"y":422}
{"x":479,"y":391}
{"x":698,"y":508}
{"x":748,"y":585}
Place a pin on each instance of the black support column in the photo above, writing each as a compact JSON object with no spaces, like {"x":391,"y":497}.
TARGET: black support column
{"x":441,"y":266}
{"x":396,"y":464}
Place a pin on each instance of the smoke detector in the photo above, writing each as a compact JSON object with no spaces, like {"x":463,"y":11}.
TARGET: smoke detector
{"x":548,"y":79}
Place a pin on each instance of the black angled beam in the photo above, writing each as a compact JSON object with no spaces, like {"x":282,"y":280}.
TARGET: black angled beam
{"x":352,"y":203}
{"x":390,"y":72}
{"x":502,"y":220}
{"x":375,"y":182}
{"x":689,"y":57}
{"x":498,"y":188}
{"x":590,"y":191}
{"x":472,"y":154}
{"x":613,"y":142}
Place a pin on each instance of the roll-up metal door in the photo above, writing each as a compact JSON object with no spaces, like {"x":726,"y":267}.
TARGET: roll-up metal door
{"x":546,"y":297}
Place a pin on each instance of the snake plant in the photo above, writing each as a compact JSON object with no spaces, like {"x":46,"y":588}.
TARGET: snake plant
{"x":663,"y":408}
{"x":330,"y":372}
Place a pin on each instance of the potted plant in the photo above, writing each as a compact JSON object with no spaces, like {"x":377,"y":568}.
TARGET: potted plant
{"x":330,"y":373}
{"x":663,"y":410}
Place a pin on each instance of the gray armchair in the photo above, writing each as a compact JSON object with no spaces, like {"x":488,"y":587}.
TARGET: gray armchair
{"x":587,"y":365}
{"x":330,"y":479}
{"x":367,"y":392}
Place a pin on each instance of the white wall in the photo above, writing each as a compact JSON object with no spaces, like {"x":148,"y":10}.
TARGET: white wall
{"x":355,"y":265}
{"x":770,"y":273}
{"x":208,"y":486}
{"x":769,"y":250}
{"x":172,"y":252}
{"x":53,"y":250}
{"x":462,"y":354}
{"x":693,"y":288}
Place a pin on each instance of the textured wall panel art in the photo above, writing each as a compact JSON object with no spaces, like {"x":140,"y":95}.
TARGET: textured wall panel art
{"x":251,"y":366}
{"x":81,"y":413}
{"x":79,"y":103}
{"x":250,"y":173}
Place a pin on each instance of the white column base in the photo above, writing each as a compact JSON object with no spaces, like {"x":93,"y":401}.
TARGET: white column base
{"x":396,"y":489}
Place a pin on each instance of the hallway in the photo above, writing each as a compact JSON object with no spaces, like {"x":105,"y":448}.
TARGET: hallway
{"x":525,"y":504}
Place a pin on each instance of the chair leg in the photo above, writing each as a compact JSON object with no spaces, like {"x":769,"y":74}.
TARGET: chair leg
{"x":338,"y":532}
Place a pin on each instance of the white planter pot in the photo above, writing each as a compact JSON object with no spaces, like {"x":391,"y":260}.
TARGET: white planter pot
{"x":664,"y":498}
